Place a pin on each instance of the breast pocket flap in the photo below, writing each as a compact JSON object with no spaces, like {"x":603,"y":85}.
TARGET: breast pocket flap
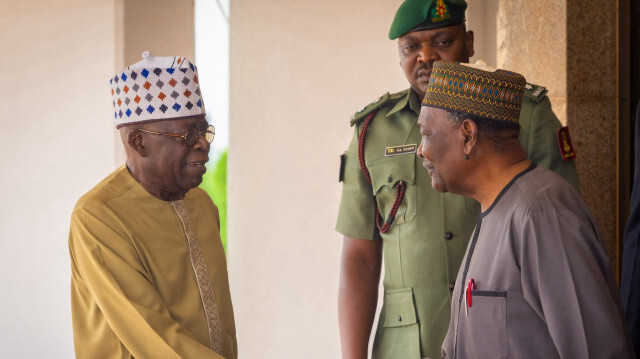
{"x":388,"y":171}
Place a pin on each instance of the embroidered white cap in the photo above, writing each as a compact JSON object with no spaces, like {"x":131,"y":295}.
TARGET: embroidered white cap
{"x":155,"y":89}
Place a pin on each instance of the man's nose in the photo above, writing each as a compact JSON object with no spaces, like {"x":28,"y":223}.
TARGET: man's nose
{"x":419,"y":150}
{"x":202,"y":143}
{"x":427,"y":54}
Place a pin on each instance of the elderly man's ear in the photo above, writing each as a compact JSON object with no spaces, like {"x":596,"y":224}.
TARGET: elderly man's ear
{"x":469,"y":132}
{"x":134,"y":140}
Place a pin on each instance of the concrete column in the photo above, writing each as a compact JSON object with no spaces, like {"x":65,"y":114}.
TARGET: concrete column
{"x":592,"y":105}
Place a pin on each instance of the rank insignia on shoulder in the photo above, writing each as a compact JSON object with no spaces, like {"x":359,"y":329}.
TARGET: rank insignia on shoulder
{"x":376,"y":105}
{"x":373,"y":105}
{"x":538,"y":91}
{"x":564,"y":142}
{"x":364,"y":108}
{"x":534,"y":93}
{"x":400,"y":150}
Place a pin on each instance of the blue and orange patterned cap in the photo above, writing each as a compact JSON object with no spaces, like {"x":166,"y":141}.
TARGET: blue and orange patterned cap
{"x":476,"y":90}
{"x":155,"y":89}
{"x":415,"y":15}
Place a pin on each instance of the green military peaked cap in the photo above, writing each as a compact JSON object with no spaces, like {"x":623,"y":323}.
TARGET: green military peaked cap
{"x":416,"y":15}
{"x":475,"y":89}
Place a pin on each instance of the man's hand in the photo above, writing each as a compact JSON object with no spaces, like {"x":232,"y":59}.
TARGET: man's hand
{"x":358,"y":295}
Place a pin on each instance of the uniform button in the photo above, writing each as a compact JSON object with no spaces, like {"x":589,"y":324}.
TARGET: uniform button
{"x":399,"y":318}
{"x":389,"y":179}
{"x":448,"y":235}
{"x":451,"y":285}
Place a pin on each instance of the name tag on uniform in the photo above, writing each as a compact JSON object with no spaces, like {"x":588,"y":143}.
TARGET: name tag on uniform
{"x":400,"y":150}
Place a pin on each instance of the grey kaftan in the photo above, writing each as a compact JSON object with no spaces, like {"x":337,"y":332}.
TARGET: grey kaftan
{"x":544,"y":287}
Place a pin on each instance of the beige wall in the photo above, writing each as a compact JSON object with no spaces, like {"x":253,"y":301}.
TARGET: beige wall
{"x":299,"y":70}
{"x":56,"y":142}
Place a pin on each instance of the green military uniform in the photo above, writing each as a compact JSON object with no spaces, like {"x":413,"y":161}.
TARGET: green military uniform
{"x":426,"y":242}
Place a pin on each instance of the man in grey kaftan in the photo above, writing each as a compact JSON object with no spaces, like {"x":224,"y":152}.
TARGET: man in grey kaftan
{"x":535,"y":281}
{"x":543,"y":283}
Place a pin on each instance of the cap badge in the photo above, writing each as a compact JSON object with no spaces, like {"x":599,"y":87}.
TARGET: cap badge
{"x":440,"y":12}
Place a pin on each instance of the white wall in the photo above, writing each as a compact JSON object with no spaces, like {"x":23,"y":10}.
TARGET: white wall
{"x":56,"y":142}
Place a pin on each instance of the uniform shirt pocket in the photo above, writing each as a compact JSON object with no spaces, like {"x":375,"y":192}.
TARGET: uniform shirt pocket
{"x":385,"y":173}
{"x":400,"y":335}
{"x":399,"y":308}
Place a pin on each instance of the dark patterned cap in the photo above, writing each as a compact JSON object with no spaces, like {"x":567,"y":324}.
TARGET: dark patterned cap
{"x":414,"y":15}
{"x":476,"y":90}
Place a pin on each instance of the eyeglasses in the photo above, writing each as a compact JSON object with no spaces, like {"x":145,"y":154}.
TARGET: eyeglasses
{"x":191,"y":136}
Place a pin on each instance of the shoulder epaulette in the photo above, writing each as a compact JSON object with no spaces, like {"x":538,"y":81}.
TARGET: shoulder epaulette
{"x":534,"y":93}
{"x":376,"y":105}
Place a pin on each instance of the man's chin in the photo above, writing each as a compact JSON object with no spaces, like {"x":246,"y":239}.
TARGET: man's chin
{"x":193,"y":182}
{"x":439,"y":186}
{"x":420,"y":90}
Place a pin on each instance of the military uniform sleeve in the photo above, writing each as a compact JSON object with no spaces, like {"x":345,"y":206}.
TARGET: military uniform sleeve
{"x":539,"y":138}
{"x":357,"y":205}
{"x":567,"y":280}
{"x":108,"y":274}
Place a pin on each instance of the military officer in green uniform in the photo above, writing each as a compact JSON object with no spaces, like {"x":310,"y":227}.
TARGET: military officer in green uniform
{"x":390,"y":210}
